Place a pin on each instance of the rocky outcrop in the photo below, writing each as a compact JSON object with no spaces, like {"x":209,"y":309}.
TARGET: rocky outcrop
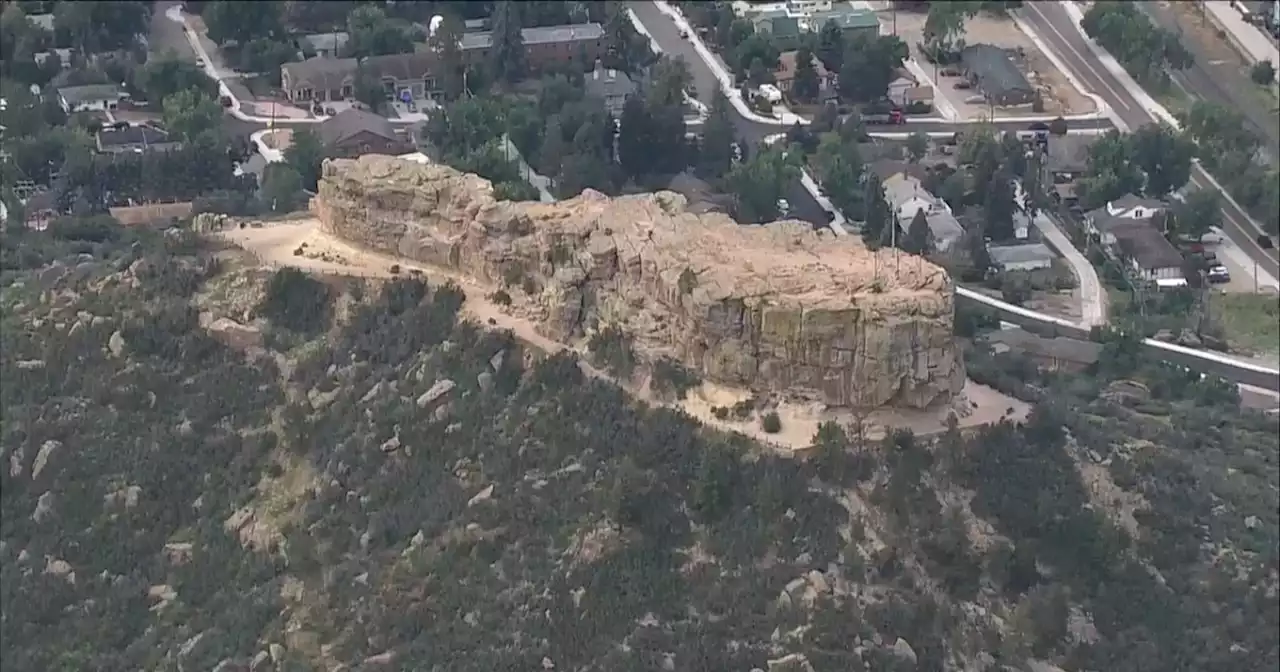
{"x":776,"y":308}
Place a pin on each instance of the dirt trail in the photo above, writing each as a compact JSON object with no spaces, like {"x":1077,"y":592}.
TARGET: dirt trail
{"x":301,"y":244}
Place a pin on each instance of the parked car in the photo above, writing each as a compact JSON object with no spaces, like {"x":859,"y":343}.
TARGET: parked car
{"x":1219,"y":274}
{"x":330,"y":111}
{"x":962,"y":84}
{"x":784,"y":207}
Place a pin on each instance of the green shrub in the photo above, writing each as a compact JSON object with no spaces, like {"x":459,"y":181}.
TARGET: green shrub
{"x":771,"y":423}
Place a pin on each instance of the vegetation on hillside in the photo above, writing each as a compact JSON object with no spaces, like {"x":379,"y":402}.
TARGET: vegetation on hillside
{"x":392,"y":485}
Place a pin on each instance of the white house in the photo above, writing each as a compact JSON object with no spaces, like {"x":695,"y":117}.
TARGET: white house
{"x":908,"y":197}
{"x":90,"y":97}
{"x":1123,"y":212}
{"x":898,"y":89}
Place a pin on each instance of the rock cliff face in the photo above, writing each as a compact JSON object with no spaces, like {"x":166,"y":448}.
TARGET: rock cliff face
{"x":776,"y":308}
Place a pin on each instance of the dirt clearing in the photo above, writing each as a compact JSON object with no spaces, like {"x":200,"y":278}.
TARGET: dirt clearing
{"x":301,"y":244}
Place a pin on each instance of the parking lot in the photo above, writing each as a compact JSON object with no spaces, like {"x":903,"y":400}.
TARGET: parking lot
{"x":1060,"y":97}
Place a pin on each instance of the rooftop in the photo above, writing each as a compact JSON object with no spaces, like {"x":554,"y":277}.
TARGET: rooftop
{"x":320,"y":72}
{"x":995,"y":70}
{"x":787,"y":66}
{"x":1148,"y":247}
{"x":578,"y":32}
{"x":351,"y":122}
{"x":609,"y":83}
{"x":1060,"y":347}
{"x":1015,"y":254}
{"x":90,"y":93}
{"x":845,"y":16}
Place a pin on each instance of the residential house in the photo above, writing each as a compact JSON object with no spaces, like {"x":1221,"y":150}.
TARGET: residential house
{"x":785,"y":75}
{"x":1121,"y":213}
{"x":323,"y":45}
{"x":907,"y":196}
{"x":323,"y":79}
{"x":994,"y":73}
{"x":1127,"y":229}
{"x":1024,"y":257}
{"x":809,"y":6}
{"x":854,"y":22}
{"x":352,"y":133}
{"x":545,"y":45}
{"x":610,"y":86}
{"x":474,"y":25}
{"x":318,"y":79}
{"x":1151,"y":256}
{"x":1052,"y":354}
{"x":781,"y":26}
{"x":90,"y":97}
{"x":137,"y":139}
{"x":904,"y":91}
{"x":1066,"y":158}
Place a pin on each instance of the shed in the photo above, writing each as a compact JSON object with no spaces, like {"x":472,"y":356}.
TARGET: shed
{"x":1027,"y":257}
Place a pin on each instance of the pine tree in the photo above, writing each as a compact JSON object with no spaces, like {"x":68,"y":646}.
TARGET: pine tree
{"x":717,"y":139}
{"x":917,"y":240}
{"x":635,"y":138}
{"x":806,"y":86}
{"x":507,"y":62}
{"x":831,"y":46}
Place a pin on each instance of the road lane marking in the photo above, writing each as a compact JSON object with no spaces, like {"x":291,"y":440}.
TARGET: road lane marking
{"x":1119,"y":99}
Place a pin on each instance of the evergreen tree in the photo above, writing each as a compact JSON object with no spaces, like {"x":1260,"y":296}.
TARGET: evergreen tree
{"x":446,"y":44}
{"x":507,"y":62}
{"x":999,"y":204}
{"x":879,"y":214}
{"x":716,"y":157}
{"x":831,"y":46}
{"x":806,"y":86}
{"x":917,"y":240}
{"x":635,"y":143}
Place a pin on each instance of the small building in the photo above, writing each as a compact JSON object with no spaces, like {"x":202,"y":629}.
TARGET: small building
{"x":610,"y":86}
{"x":90,"y":97}
{"x":854,"y":22}
{"x":40,"y":209}
{"x":1123,"y":212}
{"x":544,"y":45}
{"x":1066,"y":158}
{"x":152,"y":214}
{"x":1150,"y":255}
{"x":781,"y":26}
{"x":904,"y":91}
{"x":785,"y":75}
{"x":1051,"y":354}
{"x":907,"y":196}
{"x":136,"y":139}
{"x":353,"y":133}
{"x":994,"y":73}
{"x":63,"y":57}
{"x":323,"y":45}
{"x":1025,"y":257}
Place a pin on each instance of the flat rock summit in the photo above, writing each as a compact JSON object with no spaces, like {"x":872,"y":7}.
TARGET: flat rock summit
{"x":778,"y":308}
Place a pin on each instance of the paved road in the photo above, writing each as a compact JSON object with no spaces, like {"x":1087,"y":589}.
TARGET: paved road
{"x":1062,"y":35}
{"x":1212,"y":78}
{"x":1253,"y":40}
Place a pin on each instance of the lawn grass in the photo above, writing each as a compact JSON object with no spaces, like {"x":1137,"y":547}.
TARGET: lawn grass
{"x":1250,"y":321}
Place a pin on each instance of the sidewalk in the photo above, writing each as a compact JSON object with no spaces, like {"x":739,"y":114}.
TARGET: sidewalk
{"x":1249,"y":40}
{"x":539,"y":182}
{"x":1093,"y":297}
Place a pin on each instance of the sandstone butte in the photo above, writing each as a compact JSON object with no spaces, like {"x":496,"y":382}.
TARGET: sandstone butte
{"x":778,"y":308}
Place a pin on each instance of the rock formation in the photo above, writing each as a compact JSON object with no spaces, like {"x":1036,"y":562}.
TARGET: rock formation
{"x":775,"y":308}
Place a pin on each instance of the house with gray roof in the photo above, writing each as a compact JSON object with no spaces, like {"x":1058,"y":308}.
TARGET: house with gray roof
{"x":90,"y":97}
{"x":996,"y":75}
{"x":907,"y":197}
{"x":353,"y":133}
{"x":1023,"y":257}
{"x":611,"y":86}
{"x":543,"y":45}
{"x":1054,"y":354}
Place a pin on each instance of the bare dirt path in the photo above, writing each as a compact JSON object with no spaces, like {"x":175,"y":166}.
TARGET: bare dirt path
{"x":301,"y":244}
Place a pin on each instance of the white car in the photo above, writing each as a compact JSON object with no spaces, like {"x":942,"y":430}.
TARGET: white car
{"x":784,"y":207}
{"x":771,"y":93}
{"x":1219,"y":274}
